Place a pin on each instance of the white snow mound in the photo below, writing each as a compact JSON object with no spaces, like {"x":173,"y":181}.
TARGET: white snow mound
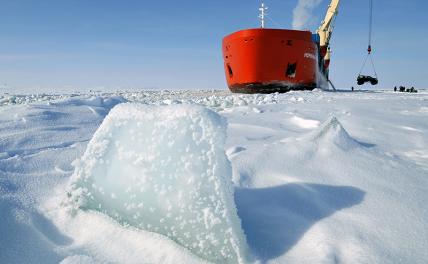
{"x":163,"y":169}
{"x":332,"y":131}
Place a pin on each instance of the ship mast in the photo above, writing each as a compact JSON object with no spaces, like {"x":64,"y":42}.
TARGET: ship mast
{"x":262,"y":15}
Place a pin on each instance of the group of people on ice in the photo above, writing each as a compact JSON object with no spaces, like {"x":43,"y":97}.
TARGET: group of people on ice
{"x":404,"y":89}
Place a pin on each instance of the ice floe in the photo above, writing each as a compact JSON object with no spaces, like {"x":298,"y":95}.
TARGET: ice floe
{"x":164,"y":169}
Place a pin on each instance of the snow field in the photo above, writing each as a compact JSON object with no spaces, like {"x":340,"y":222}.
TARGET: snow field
{"x":329,"y":173}
{"x":38,"y":143}
{"x":163,"y":169}
{"x":319,"y":177}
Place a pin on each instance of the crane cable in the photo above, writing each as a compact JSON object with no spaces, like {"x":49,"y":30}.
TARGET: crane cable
{"x":369,"y":49}
{"x":365,"y":62}
{"x":370,"y":26}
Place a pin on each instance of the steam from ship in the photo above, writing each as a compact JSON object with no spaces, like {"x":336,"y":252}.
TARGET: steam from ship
{"x":302,"y":13}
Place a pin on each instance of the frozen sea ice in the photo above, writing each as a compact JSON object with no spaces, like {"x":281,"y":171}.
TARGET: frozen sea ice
{"x":164,"y":169}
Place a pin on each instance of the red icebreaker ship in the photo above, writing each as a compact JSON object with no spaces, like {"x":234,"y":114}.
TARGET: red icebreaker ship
{"x":265,"y":60}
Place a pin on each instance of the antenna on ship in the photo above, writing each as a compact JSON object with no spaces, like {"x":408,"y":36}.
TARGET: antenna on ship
{"x":262,"y":15}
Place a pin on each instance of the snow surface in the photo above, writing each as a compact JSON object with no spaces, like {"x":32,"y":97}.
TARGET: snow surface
{"x":319,"y":177}
{"x":164,"y":169}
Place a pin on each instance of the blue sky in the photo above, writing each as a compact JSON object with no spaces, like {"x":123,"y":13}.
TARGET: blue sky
{"x":85,"y":44}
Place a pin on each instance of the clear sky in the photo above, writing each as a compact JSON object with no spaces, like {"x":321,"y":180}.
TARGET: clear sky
{"x":137,"y":44}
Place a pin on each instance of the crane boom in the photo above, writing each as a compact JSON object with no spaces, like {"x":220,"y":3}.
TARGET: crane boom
{"x":326,"y":29}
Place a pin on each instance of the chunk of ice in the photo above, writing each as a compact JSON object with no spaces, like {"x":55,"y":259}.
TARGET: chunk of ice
{"x":164,"y":169}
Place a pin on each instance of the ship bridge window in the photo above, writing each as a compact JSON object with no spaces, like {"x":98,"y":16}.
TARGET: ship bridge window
{"x":289,"y":42}
{"x":229,"y":70}
{"x":291,"y":70}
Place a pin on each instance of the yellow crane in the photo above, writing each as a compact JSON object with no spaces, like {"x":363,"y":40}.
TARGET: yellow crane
{"x":326,"y":28}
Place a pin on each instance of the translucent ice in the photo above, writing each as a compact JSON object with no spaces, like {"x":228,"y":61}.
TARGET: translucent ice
{"x":163,"y":169}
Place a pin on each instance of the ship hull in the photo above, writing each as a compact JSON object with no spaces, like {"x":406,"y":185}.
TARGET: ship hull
{"x":270,"y":60}
{"x":267,"y":88}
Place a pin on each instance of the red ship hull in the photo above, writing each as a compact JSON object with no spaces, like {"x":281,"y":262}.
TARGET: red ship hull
{"x":270,"y":60}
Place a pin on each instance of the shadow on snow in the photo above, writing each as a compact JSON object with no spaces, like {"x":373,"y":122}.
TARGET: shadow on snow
{"x":274,"y":219}
{"x":27,"y":236}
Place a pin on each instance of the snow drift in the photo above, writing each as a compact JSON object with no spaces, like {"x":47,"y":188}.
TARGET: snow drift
{"x":332,"y":132}
{"x":163,"y":169}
